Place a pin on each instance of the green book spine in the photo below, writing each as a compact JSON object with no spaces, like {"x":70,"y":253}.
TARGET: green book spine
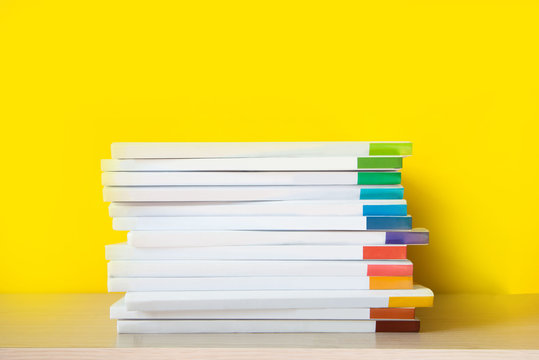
{"x":378,"y":178}
{"x":379,"y":162}
{"x":401,"y":149}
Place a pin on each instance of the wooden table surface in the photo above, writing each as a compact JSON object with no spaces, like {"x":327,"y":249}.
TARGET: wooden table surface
{"x":489,"y":326}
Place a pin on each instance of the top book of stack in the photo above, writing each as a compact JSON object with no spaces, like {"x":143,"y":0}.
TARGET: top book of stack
{"x":193,"y":150}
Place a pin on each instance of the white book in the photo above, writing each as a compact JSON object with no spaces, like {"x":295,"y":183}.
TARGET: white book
{"x":269,"y":252}
{"x":259,"y":283}
{"x":264,"y":326}
{"x":419,"y":296}
{"x":325,"y":163}
{"x":263,"y":223}
{"x":119,"y":311}
{"x":193,"y":178}
{"x":249,"y":208}
{"x":256,"y":238}
{"x":223,"y":268}
{"x":252,"y":193}
{"x":139,"y":150}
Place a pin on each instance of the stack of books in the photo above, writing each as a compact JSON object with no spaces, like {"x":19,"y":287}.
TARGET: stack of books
{"x":261,"y":237}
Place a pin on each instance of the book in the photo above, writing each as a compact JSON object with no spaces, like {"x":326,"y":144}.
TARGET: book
{"x":264,"y":252}
{"x":249,"y":208}
{"x":256,"y":164}
{"x":265,"y":326}
{"x":419,"y":296}
{"x":140,"y":150}
{"x":185,"y":178}
{"x":123,"y":284}
{"x":252,"y":193}
{"x":119,"y":311}
{"x":193,"y":238}
{"x":263,"y":223}
{"x":214,"y":268}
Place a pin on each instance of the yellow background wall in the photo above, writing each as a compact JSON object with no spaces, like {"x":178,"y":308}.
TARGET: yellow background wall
{"x":458,"y":78}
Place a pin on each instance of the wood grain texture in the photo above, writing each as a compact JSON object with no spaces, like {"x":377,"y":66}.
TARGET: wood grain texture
{"x":458,"y":325}
{"x":261,"y":354}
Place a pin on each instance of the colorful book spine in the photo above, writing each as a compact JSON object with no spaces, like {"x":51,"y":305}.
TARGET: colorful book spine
{"x":276,"y":299}
{"x":170,"y":150}
{"x":291,"y":252}
{"x":265,"y":208}
{"x":257,"y":164}
{"x":265,"y":326}
{"x":209,"y":238}
{"x":250,"y":178}
{"x":260,"y":283}
{"x":252,"y":193}
{"x":119,"y":311}
{"x":263,"y":223}
{"x":212,"y":268}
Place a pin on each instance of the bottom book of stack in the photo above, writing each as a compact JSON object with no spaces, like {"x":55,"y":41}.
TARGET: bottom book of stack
{"x":270,"y":311}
